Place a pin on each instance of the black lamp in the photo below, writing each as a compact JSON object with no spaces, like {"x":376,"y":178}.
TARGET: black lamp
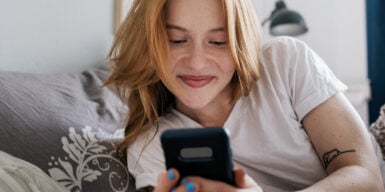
{"x":285,"y":21}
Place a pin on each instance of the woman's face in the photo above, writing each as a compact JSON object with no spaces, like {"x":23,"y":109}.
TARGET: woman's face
{"x":201,"y":66}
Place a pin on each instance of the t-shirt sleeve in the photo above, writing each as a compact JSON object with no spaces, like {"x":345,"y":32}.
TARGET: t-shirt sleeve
{"x":145,"y":160}
{"x":306,"y":76}
{"x":312,"y":82}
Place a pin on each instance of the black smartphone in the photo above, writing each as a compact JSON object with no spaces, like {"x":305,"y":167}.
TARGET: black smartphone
{"x":203,"y":152}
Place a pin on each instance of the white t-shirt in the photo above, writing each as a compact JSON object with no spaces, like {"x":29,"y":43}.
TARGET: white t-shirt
{"x":265,"y":130}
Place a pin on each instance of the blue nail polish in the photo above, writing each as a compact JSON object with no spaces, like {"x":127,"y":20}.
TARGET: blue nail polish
{"x":190,"y":186}
{"x":171,"y":175}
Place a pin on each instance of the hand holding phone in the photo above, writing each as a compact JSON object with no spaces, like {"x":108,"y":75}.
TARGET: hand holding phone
{"x":203,"y":152}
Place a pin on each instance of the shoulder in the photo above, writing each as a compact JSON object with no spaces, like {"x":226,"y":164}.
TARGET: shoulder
{"x":279,"y":55}
{"x":282,"y":48}
{"x":288,"y":53}
{"x":283,"y":42}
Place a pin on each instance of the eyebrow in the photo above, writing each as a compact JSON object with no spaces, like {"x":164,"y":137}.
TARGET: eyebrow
{"x":171,"y":26}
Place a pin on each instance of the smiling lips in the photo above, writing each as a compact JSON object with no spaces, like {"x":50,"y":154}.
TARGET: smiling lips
{"x":196,"y":81}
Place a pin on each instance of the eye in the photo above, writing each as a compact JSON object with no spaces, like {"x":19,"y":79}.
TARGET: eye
{"x":218,"y":43}
{"x":177,"y":41}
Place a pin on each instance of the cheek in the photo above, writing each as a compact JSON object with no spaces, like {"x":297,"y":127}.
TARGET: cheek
{"x":231,"y":67}
{"x":226,"y":62}
{"x":172,"y":62}
{"x":228,"y":66}
{"x":173,"y":58}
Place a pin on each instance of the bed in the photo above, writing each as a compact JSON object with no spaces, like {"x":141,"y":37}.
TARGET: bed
{"x":67,"y":125}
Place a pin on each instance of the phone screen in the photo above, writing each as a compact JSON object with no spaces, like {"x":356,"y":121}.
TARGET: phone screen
{"x":203,"y":152}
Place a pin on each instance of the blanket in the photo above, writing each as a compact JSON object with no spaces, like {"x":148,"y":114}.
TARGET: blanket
{"x":17,"y":175}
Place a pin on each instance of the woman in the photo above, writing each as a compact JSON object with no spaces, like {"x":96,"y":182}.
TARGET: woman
{"x":185,"y":64}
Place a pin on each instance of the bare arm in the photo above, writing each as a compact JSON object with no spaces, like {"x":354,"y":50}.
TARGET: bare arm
{"x":343,"y":145}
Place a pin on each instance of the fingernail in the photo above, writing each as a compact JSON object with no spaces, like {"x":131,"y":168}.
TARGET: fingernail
{"x":183,"y":181}
{"x":190,"y":187}
{"x":171,"y":175}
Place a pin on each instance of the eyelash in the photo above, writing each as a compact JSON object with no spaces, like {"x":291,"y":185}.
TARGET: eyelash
{"x":177,"y":41}
{"x":216,"y":43}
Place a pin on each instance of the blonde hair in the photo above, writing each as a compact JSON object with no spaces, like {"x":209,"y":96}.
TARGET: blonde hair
{"x":139,"y":56}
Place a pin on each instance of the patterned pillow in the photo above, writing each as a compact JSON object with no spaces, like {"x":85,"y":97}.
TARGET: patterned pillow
{"x":378,"y":130}
{"x":89,"y":162}
{"x":47,"y":119}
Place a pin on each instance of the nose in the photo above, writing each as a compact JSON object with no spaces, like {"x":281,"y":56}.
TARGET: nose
{"x":197,"y":57}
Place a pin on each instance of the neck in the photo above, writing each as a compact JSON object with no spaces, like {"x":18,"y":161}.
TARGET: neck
{"x":213,"y":114}
{"x":213,"y":117}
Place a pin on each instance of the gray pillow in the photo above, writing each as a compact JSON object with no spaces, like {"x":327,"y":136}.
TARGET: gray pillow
{"x":65,"y":125}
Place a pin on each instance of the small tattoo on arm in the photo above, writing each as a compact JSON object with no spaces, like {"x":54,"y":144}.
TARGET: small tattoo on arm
{"x":331,"y":155}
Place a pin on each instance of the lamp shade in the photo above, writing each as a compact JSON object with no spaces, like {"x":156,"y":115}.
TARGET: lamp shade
{"x":287,"y":22}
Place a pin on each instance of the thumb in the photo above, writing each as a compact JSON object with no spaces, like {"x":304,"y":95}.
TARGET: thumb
{"x":167,"y":180}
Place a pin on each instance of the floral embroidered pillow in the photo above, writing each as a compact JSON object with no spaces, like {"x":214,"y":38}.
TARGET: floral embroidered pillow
{"x":90,"y":162}
{"x":55,"y":121}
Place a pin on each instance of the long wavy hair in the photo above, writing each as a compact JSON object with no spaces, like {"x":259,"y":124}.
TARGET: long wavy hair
{"x":140,"y":52}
